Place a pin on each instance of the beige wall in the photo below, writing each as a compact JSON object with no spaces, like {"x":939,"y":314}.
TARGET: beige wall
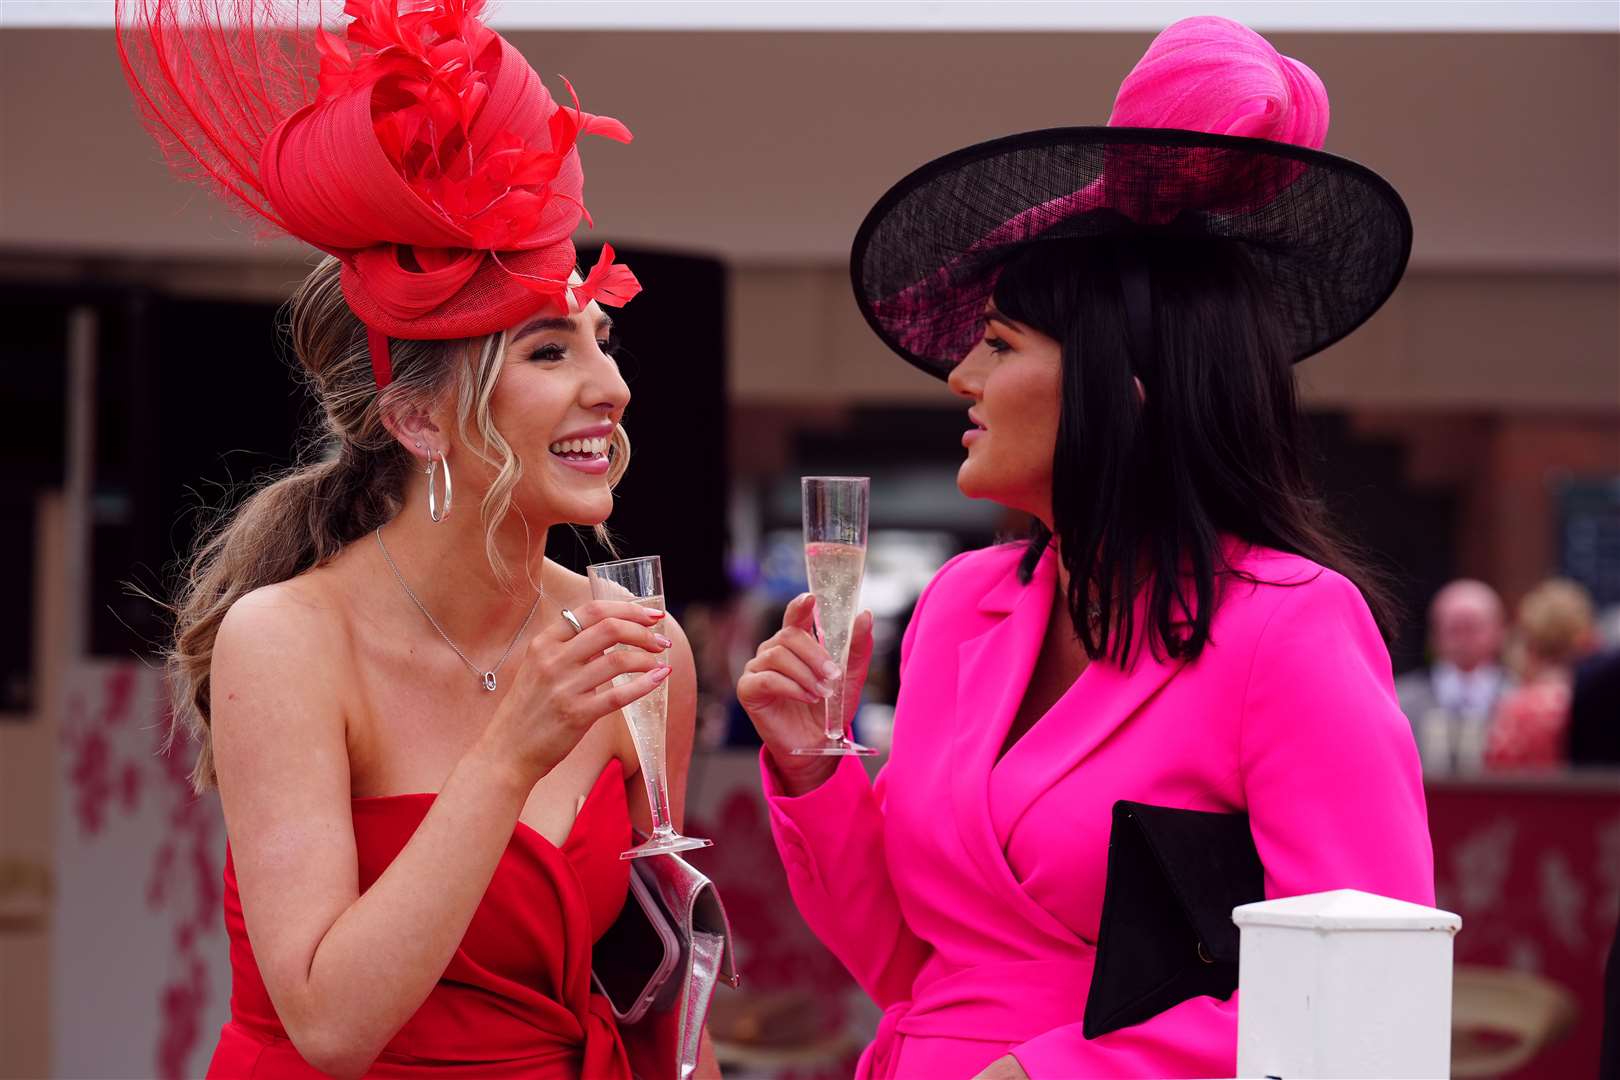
{"x":1487,"y":340}
{"x":1492,"y":340}
{"x":764,"y":147}
{"x":1446,"y":340}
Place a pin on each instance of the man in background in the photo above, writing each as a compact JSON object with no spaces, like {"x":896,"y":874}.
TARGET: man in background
{"x":1450,"y":703}
{"x":1594,"y":713}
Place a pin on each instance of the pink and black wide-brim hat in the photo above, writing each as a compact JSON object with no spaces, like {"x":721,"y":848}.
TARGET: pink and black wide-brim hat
{"x":1214,"y":135}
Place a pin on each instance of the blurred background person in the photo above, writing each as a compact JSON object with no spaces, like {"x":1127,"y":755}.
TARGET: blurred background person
{"x":1594,"y":712}
{"x":1554,"y":632}
{"x":1451,"y":701}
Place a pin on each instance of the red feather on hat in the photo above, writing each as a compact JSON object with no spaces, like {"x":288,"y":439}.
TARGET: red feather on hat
{"x":419,"y":147}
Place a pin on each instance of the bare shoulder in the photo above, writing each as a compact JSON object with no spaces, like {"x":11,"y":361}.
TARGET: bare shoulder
{"x":277,"y":665}
{"x":298,"y":621}
{"x":564,"y":586}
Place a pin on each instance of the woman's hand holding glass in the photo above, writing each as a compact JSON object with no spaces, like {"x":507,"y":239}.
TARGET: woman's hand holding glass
{"x":784,"y":690}
{"x":564,"y":683}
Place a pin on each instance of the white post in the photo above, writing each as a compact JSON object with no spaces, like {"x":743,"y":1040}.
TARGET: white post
{"x":1344,"y":984}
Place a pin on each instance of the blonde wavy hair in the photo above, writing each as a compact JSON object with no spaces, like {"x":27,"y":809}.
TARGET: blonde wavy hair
{"x":1556,"y":625}
{"x":352,"y":478}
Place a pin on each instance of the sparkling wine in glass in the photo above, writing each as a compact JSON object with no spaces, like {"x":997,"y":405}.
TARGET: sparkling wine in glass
{"x":642,"y":581}
{"x":835,"y":511}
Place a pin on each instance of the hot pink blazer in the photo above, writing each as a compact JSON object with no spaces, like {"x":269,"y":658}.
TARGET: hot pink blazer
{"x":964,"y":894}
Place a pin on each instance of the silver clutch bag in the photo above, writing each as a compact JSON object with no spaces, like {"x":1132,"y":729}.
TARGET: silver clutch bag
{"x":659,"y":962}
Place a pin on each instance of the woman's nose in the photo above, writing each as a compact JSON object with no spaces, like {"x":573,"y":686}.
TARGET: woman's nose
{"x":966,"y":378}
{"x":607,"y":389}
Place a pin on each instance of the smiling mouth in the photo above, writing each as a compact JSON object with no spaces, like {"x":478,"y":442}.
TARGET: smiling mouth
{"x":581,"y":450}
{"x":589,"y":456}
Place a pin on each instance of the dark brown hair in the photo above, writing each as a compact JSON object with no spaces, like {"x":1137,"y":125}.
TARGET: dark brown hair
{"x":1145,"y":489}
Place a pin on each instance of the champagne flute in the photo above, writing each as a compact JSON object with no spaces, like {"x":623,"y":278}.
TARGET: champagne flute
{"x":642,"y":580}
{"x":835,"y":561}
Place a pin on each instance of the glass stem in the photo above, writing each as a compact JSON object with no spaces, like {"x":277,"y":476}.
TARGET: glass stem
{"x":834,"y":720}
{"x":658,"y":797}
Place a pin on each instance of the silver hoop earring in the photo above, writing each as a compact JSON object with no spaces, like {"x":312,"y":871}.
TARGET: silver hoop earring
{"x":434,"y":511}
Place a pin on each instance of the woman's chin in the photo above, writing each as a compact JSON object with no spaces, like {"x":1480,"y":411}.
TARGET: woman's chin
{"x":574,"y":508}
{"x":972,"y":483}
{"x":969,"y":483}
{"x":591,"y":515}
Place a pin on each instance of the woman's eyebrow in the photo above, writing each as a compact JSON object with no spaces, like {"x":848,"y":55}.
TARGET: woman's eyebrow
{"x":993,"y":315}
{"x":604,"y":325}
{"x":539,"y":326}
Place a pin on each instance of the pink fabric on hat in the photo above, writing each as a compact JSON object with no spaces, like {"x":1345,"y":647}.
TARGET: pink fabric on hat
{"x":1215,"y":75}
{"x":1205,"y":74}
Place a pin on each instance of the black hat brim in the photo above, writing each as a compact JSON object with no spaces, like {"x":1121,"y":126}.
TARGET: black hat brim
{"x":1329,"y":237}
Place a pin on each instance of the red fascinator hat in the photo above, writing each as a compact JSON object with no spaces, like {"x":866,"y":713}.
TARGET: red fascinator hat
{"x":1214,"y":136}
{"x":418,"y":147}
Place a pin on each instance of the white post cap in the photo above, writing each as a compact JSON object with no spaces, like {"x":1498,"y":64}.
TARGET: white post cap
{"x":1345,"y":909}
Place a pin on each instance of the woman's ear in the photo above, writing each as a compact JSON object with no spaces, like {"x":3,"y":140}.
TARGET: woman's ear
{"x":414,"y":430}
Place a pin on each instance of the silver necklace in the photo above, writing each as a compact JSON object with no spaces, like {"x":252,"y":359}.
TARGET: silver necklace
{"x":487,"y":678}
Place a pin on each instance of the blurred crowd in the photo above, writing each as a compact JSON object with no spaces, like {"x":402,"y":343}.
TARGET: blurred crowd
{"x":1535,"y":692}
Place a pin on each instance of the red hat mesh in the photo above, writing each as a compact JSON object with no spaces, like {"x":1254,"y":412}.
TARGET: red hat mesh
{"x":420,"y":148}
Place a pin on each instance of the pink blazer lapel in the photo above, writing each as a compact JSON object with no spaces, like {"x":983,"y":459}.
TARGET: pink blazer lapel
{"x":993,"y":672}
{"x":1104,"y":698}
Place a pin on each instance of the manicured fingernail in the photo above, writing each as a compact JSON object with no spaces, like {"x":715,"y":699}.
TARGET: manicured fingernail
{"x":661,"y":672}
{"x":663,"y":642}
{"x":825,"y":689}
{"x":830,"y":670}
{"x":652,"y":613}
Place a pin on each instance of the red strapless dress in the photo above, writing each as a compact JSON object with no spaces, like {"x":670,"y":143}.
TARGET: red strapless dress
{"x":516,"y":1000}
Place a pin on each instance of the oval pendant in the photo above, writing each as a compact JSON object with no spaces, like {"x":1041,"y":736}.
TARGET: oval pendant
{"x":489,"y":681}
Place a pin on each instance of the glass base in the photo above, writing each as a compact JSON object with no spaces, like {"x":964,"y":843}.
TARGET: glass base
{"x":665,"y":844}
{"x":845,"y":747}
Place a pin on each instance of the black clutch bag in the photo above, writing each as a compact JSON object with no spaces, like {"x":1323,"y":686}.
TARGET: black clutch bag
{"x":1167,"y":934}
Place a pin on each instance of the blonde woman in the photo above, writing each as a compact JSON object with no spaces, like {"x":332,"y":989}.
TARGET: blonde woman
{"x":1556,"y":629}
{"x":400,"y":699}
